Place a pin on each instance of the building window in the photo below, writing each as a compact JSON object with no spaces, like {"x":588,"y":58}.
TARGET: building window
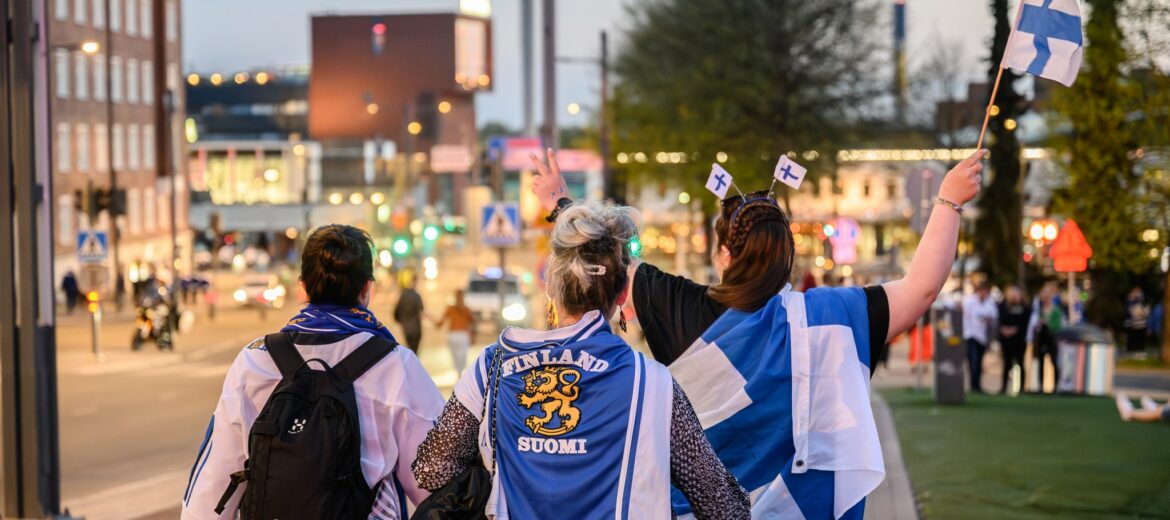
{"x":149,"y":210}
{"x":65,"y":220}
{"x":145,"y":15}
{"x":116,"y":79}
{"x":131,"y":81}
{"x":147,"y":83}
{"x":148,"y":159}
{"x":82,"y":148}
{"x":865,"y":188}
{"x":134,"y":211}
{"x":79,"y":11}
{"x":119,"y":147}
{"x":99,"y":13}
{"x":80,"y":76}
{"x":173,"y":77}
{"x":64,"y":147}
{"x":132,"y":147}
{"x":131,"y":17}
{"x":61,"y":9}
{"x":101,"y":148}
{"x":61,"y":72}
{"x":891,"y":190}
{"x":99,"y":78}
{"x":172,"y":21}
{"x":115,"y":15}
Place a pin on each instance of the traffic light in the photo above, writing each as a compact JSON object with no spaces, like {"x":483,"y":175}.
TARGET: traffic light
{"x":430,"y":233}
{"x":92,"y":298}
{"x":401,"y":246}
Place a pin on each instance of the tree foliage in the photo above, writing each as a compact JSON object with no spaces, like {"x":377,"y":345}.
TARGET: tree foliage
{"x":748,"y":78}
{"x":998,"y":228}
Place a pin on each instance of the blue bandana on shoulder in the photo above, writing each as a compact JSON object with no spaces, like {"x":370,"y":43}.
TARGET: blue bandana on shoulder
{"x":337,"y":319}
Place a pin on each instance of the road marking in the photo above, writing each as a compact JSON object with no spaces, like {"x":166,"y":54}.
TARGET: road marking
{"x":156,"y":361}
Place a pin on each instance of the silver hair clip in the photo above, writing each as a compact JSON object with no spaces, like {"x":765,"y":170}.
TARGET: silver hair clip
{"x":595,"y":270}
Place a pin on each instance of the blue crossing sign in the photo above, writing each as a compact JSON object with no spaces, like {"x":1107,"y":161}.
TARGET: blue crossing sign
{"x":501,"y":225}
{"x":92,"y":247}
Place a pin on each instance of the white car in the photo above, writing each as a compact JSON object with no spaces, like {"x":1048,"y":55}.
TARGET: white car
{"x":483,"y":298}
{"x":262,"y":290}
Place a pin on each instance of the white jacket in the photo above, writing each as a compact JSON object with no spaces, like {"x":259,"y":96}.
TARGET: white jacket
{"x":397,"y":402}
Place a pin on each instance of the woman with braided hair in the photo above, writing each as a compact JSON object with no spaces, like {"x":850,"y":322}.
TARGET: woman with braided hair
{"x":780,"y":378}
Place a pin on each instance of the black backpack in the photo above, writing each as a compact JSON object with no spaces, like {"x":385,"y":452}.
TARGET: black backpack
{"x":304,"y":450}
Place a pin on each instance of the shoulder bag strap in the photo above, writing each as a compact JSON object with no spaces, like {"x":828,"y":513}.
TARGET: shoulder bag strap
{"x":281,"y":348}
{"x":363,"y":358}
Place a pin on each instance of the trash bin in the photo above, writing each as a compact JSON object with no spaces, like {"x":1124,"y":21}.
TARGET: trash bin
{"x":1084,"y":355}
{"x":950,"y":354}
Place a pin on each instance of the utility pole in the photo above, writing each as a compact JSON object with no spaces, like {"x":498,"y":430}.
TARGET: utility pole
{"x":526,"y":83}
{"x":551,"y":134}
{"x":115,"y":234}
{"x":28,"y":365}
{"x":603,"y":126}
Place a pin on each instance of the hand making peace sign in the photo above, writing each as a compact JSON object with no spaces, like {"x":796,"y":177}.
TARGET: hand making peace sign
{"x":547,"y":184}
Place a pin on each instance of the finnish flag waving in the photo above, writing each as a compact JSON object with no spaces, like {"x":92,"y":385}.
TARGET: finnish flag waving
{"x":1047,"y":41}
{"x":783,"y":396}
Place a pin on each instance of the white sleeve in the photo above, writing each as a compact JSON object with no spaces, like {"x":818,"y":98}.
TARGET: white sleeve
{"x":409,"y":425}
{"x":225,"y":447}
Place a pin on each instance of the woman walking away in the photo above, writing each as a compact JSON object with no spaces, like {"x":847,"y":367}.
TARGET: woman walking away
{"x":572,"y":421}
{"x":461,"y":330}
{"x":781,"y":378}
{"x":1013,"y":322}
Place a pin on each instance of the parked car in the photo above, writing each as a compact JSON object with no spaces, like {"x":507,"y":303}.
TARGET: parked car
{"x":263,"y":291}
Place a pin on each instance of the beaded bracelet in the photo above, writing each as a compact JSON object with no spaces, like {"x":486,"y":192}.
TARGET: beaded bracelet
{"x":948,"y":203}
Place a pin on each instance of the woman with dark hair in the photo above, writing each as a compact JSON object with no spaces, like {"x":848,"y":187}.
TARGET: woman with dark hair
{"x":571,"y":421}
{"x":780,"y":378}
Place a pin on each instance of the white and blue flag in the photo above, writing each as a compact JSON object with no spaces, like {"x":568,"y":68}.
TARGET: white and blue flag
{"x":719,"y":181}
{"x":783,"y":395}
{"x":1047,"y":41}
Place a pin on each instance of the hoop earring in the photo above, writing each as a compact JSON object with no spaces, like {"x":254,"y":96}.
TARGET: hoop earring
{"x":551,"y":316}
{"x":622,"y":319}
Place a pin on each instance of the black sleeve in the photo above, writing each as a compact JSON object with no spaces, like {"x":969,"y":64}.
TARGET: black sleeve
{"x":672,"y":311}
{"x":878,"y":308}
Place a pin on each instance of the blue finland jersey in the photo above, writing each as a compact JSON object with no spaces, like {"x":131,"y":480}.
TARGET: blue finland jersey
{"x":782,"y":394}
{"x":582,"y":424}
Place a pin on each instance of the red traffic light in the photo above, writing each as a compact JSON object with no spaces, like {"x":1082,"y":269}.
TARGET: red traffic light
{"x":379,"y":28}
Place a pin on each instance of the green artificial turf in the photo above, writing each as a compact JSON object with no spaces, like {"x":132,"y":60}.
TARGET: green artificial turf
{"x":1031,"y":456}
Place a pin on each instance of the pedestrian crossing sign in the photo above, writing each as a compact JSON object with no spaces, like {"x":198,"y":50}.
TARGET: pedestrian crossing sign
{"x":501,"y":225}
{"x":92,"y":247}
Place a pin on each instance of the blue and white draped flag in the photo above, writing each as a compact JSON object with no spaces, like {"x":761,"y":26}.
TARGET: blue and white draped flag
{"x":719,"y":181}
{"x":1048,"y":40}
{"x":783,"y":396}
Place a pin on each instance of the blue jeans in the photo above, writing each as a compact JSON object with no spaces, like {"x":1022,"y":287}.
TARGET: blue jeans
{"x":975,"y":351}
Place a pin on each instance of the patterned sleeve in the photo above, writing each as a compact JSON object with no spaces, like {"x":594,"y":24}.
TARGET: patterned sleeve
{"x":695,"y":469}
{"x":449,"y":448}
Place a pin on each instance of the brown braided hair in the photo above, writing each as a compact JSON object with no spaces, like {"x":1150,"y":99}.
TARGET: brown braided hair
{"x":758,"y":235}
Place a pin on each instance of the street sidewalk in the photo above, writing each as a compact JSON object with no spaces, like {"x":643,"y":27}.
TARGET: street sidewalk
{"x":894,"y":497}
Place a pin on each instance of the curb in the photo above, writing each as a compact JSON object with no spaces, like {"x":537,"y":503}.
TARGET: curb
{"x":894,"y":497}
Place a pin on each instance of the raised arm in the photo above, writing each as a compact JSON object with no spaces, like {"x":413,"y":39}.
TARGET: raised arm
{"x":911,"y":296}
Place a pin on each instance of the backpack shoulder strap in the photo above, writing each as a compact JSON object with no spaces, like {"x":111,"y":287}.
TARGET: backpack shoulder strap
{"x":281,"y":348}
{"x":363,"y":358}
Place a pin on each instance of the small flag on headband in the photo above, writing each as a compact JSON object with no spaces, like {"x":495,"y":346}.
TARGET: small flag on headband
{"x":719,"y":181}
{"x":790,"y":173}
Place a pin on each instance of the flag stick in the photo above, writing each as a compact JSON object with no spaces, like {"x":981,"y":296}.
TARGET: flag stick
{"x":737,"y":190}
{"x":999,"y":75}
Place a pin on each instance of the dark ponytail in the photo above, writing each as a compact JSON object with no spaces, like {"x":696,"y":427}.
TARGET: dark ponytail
{"x":759,"y":238}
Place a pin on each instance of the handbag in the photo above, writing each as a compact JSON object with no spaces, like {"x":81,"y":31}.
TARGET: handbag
{"x":465,"y":497}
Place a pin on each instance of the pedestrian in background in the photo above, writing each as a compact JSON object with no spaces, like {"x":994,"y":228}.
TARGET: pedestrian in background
{"x":1048,"y":317}
{"x":1013,"y":325}
{"x":979,"y":315}
{"x":460,"y":323}
{"x":1136,"y":315}
{"x":408,"y":313}
{"x":71,"y":290}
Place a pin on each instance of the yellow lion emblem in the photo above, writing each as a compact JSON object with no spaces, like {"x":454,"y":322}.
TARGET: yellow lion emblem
{"x":555,"y":389}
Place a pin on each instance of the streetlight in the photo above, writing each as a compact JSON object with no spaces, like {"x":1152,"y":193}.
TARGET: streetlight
{"x":573,"y":109}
